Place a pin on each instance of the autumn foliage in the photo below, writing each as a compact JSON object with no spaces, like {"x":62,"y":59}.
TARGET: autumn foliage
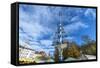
{"x":73,"y":51}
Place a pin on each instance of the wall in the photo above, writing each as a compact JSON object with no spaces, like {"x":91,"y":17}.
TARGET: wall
{"x":5,"y":33}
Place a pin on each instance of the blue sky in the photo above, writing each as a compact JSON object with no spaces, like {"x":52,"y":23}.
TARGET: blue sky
{"x":37,"y":24}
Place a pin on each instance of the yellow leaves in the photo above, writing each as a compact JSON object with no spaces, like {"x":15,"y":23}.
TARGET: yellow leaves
{"x":73,"y":51}
{"x":26,"y":60}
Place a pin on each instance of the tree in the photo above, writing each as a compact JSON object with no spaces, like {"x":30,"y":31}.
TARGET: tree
{"x":89,"y":46}
{"x":86,"y":39}
{"x":89,"y":49}
{"x":72,"y":51}
{"x":56,"y":54}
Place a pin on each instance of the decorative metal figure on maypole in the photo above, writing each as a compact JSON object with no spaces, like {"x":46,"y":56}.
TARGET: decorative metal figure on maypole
{"x":59,"y":38}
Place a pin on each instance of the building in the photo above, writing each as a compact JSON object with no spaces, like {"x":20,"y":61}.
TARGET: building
{"x":25,"y":52}
{"x":29,"y":55}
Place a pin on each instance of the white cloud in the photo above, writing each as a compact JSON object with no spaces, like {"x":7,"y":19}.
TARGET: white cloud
{"x":70,"y":38}
{"x":75,"y":18}
{"x":46,"y":42}
{"x":75,"y":26}
{"x":90,"y":12}
{"x":41,"y":21}
{"x":32,"y":26}
{"x":37,"y":47}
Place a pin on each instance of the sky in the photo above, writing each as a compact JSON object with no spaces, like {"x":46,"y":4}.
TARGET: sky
{"x":38,"y":24}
